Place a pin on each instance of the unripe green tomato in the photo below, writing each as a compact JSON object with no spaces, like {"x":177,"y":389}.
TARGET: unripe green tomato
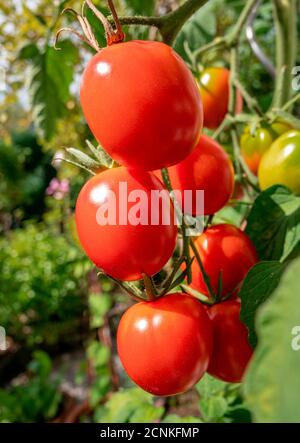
{"x":254,"y":146}
{"x":281,"y":163}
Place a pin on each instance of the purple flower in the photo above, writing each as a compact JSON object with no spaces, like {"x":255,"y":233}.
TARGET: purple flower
{"x":58,"y":188}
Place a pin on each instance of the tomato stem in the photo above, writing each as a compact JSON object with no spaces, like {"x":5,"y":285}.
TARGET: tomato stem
{"x":201,"y":297}
{"x":119,"y":32}
{"x":206,"y":278}
{"x":185,"y":239}
{"x":285,"y":16}
{"x":130,"y":288}
{"x":150,"y":288}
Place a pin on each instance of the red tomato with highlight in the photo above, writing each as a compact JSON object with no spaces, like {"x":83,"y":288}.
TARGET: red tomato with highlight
{"x":224,"y":250}
{"x":208,"y":168}
{"x":142,"y":104}
{"x":214,"y":90}
{"x":114,"y":224}
{"x":231,"y":351}
{"x":165,"y":345}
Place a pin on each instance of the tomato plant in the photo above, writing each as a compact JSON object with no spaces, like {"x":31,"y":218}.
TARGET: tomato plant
{"x":209,"y":169}
{"x":123,"y":250}
{"x":231,"y":350}
{"x":254,"y":146}
{"x":165,"y":345}
{"x":214,"y":90}
{"x":140,"y":84}
{"x":281,"y":163}
{"x":205,"y":303}
{"x":227,"y":254}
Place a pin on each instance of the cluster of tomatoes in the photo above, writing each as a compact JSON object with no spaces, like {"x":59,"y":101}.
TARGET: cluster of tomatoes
{"x":145,"y":109}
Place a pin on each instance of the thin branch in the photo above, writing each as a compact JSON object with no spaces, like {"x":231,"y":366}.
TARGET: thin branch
{"x":232,"y":38}
{"x":170,"y":24}
{"x":251,"y":101}
{"x":286,"y":37}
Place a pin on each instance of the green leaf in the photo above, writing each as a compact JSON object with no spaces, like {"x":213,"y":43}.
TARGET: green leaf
{"x":199,"y":30}
{"x":83,"y":159}
{"x":103,"y":158}
{"x":274,"y":224}
{"x":173,"y":418}
{"x":28,"y":52}
{"x":259,"y":284}
{"x":123,"y":407}
{"x":60,"y":67}
{"x":51,"y":74}
{"x":213,"y":404}
{"x":209,"y":386}
{"x":272,"y":382}
{"x":140,"y":7}
{"x":213,"y":408}
{"x":232,"y":215}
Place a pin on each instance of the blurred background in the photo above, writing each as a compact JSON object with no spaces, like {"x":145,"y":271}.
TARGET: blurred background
{"x":60,"y":318}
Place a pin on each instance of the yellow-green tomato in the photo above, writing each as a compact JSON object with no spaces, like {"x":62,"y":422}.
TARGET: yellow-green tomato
{"x":281,"y":163}
{"x":253,"y":146}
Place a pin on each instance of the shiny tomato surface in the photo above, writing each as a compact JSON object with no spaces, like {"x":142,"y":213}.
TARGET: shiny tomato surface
{"x":209,"y":169}
{"x":224,"y":250}
{"x":214,"y":90}
{"x":165,"y":345}
{"x":231,"y":351}
{"x":280,"y":165}
{"x":253,"y":146}
{"x":142,"y":104}
{"x":125,"y":242}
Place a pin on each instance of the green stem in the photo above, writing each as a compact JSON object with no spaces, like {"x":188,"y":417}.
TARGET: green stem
{"x":206,"y":278}
{"x":285,"y":15}
{"x":186,"y":240}
{"x":251,"y":101}
{"x":291,"y":102}
{"x":150,"y":288}
{"x":170,"y":24}
{"x":173,"y":22}
{"x":130,"y":288}
{"x":233,"y":37}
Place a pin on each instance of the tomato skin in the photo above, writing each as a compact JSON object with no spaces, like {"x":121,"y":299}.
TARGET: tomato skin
{"x":254,"y":146}
{"x":231,"y":351}
{"x":281,"y":163}
{"x":142,"y":104}
{"x":165,"y":345}
{"x":223,"y":248}
{"x":124,"y":251}
{"x":214,"y":90}
{"x":208,"y":168}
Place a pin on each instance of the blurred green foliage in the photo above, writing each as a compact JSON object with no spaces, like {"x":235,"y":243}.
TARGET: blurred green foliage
{"x":43,"y":286}
{"x":25,"y":172}
{"x":34,"y":400}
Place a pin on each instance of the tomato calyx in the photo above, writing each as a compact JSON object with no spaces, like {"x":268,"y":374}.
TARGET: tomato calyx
{"x":113,"y":35}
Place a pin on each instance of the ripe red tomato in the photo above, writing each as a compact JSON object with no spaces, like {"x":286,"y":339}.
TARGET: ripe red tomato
{"x":223,"y":249}
{"x":231,"y":350}
{"x":208,"y":168}
{"x":120,"y":248}
{"x":214,"y":90}
{"x":142,"y":104}
{"x":165,"y":345}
